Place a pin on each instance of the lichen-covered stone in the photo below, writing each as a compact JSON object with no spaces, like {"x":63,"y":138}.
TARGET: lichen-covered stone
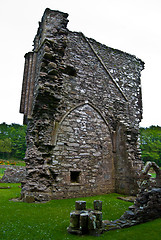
{"x":74,"y":219}
{"x":80,"y":205}
{"x":84,"y":222}
{"x":29,"y":199}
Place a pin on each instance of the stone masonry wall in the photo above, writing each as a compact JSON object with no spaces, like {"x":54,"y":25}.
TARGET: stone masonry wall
{"x":83,"y":125}
{"x":83,"y":148}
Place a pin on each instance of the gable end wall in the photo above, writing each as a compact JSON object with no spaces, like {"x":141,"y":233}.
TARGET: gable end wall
{"x":83,"y":119}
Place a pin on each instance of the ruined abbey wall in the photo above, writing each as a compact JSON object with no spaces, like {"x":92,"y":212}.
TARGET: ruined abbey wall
{"x":82,"y":103}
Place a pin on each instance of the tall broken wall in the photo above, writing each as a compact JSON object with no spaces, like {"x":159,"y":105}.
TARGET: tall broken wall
{"x":82,"y":103}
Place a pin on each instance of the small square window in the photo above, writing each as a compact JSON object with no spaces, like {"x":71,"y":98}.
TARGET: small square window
{"x":75,"y":176}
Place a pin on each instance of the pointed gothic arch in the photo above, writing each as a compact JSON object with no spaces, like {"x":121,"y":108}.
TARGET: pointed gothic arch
{"x":91,"y":105}
{"x":83,"y":151}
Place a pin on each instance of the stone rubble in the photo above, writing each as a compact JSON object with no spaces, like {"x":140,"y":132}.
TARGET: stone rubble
{"x":14,"y":175}
{"x":147,"y":207}
{"x":84,"y":221}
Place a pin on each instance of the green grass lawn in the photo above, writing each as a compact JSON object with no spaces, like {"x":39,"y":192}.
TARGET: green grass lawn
{"x":153,"y":175}
{"x":44,"y":221}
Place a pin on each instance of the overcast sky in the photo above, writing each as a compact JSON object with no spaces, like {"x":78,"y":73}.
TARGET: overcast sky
{"x":132,"y":26}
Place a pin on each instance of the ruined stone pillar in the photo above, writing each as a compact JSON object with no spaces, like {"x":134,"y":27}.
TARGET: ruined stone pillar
{"x":29,"y":55}
{"x":80,"y":205}
{"x":24,"y":84}
{"x":84,"y":222}
{"x":74,"y":220}
{"x":97,"y":205}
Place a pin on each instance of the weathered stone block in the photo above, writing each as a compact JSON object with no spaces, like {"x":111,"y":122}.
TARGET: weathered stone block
{"x":29,"y":199}
{"x":80,"y":205}
{"x":98,"y":215}
{"x":98,"y":205}
{"x":91,"y":221}
{"x":84,"y":222}
{"x":74,"y":220}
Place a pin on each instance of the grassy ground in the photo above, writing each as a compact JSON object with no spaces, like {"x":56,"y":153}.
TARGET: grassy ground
{"x":153,"y":175}
{"x":45,"y":221}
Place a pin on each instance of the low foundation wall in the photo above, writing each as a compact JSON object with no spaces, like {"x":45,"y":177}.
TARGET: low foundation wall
{"x":14,"y":174}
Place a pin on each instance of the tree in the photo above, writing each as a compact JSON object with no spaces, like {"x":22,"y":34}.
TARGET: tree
{"x":150,"y":139}
{"x":18,"y":134}
{"x":5,"y":146}
{"x":12,"y":140}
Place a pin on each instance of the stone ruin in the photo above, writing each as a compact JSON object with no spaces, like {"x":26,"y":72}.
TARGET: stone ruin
{"x":147,"y":207}
{"x":82,"y":104}
{"x":14,"y":175}
{"x":84,"y":221}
